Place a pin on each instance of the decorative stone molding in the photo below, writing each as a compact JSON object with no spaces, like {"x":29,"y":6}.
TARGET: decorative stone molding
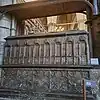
{"x":58,"y":47}
{"x":69,"y":39}
{"x":82,"y":38}
{"x":46,"y":41}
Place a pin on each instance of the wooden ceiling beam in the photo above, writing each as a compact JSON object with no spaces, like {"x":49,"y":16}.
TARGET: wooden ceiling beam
{"x":38,"y":9}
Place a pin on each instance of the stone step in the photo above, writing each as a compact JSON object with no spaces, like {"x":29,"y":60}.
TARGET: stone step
{"x":9,"y":93}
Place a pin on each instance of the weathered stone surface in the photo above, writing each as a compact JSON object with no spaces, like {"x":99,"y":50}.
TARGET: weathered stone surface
{"x":53,"y":49}
{"x":66,"y":48}
{"x":45,"y":83}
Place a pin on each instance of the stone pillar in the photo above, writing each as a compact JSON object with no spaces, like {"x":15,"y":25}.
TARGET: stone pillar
{"x":98,"y":5}
{"x":95,"y":7}
{"x":7,"y":25}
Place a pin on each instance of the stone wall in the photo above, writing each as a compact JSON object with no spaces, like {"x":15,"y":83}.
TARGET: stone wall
{"x":44,"y":83}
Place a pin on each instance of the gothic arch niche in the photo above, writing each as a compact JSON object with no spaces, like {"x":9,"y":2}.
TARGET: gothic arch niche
{"x":58,"y":52}
{"x":82,"y":51}
{"x":17,"y":53}
{"x":52,"y":52}
{"x":6,"y":53}
{"x":63,"y":52}
{"x":69,"y":51}
{"x":26,"y":52}
{"x":76,"y":58}
{"x":12,"y":54}
{"x":21,"y":58}
{"x":30,"y":51}
{"x":42,"y":53}
{"x":36,"y":53}
{"x":47,"y":52}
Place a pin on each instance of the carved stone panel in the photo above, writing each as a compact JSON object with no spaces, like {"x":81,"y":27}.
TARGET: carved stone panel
{"x":70,"y":49}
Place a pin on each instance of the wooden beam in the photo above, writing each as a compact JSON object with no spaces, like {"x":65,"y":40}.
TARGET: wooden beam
{"x":46,"y":8}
